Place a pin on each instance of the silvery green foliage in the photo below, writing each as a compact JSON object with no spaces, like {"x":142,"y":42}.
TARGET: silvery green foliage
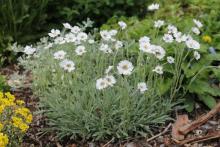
{"x":96,"y":89}
{"x":18,"y":81}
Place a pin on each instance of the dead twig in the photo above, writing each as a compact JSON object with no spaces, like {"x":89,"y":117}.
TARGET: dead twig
{"x":164,"y":131}
{"x":175,"y":140}
{"x":191,"y":126}
{"x":108,"y":142}
{"x":209,"y":136}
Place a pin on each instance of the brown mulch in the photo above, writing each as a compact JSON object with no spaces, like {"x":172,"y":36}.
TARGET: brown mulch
{"x":36,"y":138}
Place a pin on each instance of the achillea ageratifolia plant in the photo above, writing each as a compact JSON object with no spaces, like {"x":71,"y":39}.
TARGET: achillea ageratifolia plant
{"x":14,"y":120}
{"x":102,"y":88}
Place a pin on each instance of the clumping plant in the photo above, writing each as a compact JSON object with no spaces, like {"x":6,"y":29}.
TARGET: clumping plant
{"x":14,"y":120}
{"x":105,"y":88}
{"x":94,"y":89}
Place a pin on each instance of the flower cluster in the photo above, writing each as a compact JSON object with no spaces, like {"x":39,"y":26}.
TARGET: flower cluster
{"x":29,"y":50}
{"x":172,"y":36}
{"x":74,"y":35}
{"x":3,"y":140}
{"x":110,"y":45}
{"x":14,"y":118}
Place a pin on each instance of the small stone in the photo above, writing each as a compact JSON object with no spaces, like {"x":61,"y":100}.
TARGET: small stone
{"x":198,"y":132}
{"x":197,"y":106}
{"x":206,"y":127}
{"x":213,"y":122}
{"x":131,"y":144}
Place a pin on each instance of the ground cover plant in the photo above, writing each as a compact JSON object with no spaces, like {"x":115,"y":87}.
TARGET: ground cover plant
{"x":105,"y":87}
{"x":14,"y":120}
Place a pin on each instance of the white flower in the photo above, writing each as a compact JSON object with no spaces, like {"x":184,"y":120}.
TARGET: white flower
{"x":54,"y":33}
{"x":153,"y":7}
{"x":105,"y":35}
{"x":75,"y":29}
{"x":144,"y":44}
{"x":101,"y":83}
{"x":125,"y":67}
{"x":178,"y":37}
{"x":186,"y":37}
{"x":196,"y":55}
{"x":168,"y":38}
{"x":110,"y":80}
{"x":67,"y":65}
{"x":183,"y":38}
{"x":190,"y":43}
{"x":77,"y":42}
{"x":122,"y":24}
{"x":108,"y":69}
{"x":118,"y":45}
{"x":177,"y":34}
{"x":59,"y":40}
{"x":113,"y":32}
{"x":158,"y":23}
{"x":82,"y":36}
{"x":158,"y":51}
{"x":145,"y":47}
{"x":29,"y":50}
{"x":70,"y":37}
{"x":198,"y":23}
{"x":80,"y":50}
{"x":195,"y":30}
{"x":91,"y":41}
{"x":172,"y":29}
{"x":67,"y":26}
{"x":59,"y":55}
{"x":158,"y":69}
{"x":142,"y":86}
{"x":105,"y":48}
{"x":170,"y":60}
{"x":144,"y":39}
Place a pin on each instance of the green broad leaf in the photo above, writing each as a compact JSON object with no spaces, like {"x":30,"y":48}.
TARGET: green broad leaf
{"x":203,"y":87}
{"x":206,"y":60}
{"x":208,"y":100}
{"x":190,"y":104}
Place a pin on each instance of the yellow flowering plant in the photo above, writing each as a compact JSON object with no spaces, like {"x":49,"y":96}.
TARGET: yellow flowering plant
{"x":14,"y":120}
{"x":207,"y":39}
